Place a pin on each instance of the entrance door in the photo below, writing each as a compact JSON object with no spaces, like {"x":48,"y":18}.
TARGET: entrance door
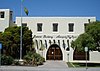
{"x":54,"y":53}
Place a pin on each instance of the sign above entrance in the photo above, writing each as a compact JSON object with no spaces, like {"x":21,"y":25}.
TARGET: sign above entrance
{"x":55,"y":36}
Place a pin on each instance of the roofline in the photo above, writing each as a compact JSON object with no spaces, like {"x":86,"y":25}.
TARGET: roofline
{"x":60,"y":17}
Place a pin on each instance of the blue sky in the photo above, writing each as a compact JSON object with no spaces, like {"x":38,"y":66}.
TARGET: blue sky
{"x":54,"y":7}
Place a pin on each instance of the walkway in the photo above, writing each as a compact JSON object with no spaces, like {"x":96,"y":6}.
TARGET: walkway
{"x":48,"y":66}
{"x":54,"y":64}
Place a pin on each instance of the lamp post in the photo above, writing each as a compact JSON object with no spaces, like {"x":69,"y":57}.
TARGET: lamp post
{"x":21,"y":36}
{"x":86,"y":50}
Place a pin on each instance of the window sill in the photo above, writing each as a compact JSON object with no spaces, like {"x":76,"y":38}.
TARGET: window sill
{"x":55,"y":32}
{"x":39,"y":32}
{"x":2,"y":18}
{"x":71,"y":32}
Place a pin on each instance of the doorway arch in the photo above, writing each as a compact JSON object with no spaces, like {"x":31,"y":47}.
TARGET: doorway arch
{"x":54,"y":53}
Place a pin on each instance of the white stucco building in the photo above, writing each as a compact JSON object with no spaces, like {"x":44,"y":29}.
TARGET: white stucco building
{"x":6,"y":19}
{"x":53,"y":35}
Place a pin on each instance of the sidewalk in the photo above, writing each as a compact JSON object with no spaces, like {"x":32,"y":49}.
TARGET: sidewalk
{"x":48,"y":66}
{"x":54,"y":64}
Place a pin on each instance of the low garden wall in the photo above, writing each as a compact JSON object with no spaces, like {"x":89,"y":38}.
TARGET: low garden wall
{"x":95,"y":56}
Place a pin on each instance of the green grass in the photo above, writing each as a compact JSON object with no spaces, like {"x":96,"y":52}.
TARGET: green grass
{"x":84,"y":64}
{"x":70,"y":64}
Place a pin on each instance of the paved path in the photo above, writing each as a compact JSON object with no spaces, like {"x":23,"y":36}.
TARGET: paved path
{"x":48,"y":66}
{"x":54,"y":64}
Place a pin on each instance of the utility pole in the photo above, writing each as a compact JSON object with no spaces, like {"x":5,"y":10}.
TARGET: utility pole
{"x":21,"y":36}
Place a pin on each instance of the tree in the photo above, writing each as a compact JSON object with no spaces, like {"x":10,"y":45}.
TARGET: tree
{"x":11,"y":41}
{"x":84,"y":40}
{"x":93,"y":29}
{"x":27,"y":40}
{"x":7,"y":42}
{"x":90,"y":39}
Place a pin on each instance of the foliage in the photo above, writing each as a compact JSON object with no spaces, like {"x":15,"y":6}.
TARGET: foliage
{"x":93,"y":29}
{"x":34,"y":58}
{"x":70,"y":64}
{"x":88,"y":64}
{"x":84,"y":40}
{"x":16,"y":62}
{"x":10,"y":39}
{"x":6,"y":60}
{"x":90,"y":39}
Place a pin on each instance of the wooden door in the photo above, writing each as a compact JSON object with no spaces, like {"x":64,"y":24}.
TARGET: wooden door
{"x":54,"y":53}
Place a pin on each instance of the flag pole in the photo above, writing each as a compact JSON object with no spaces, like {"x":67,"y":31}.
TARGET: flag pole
{"x":21,"y":36}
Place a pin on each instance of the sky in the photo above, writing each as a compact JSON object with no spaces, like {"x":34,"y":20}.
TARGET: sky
{"x":54,"y":8}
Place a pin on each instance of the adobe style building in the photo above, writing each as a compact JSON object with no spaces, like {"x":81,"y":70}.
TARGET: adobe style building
{"x":6,"y":19}
{"x":52,"y":36}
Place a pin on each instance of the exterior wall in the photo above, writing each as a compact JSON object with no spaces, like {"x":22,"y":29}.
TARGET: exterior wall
{"x":95,"y":56}
{"x":48,"y":34}
{"x":6,"y":21}
{"x":62,"y":21}
{"x":62,"y":34}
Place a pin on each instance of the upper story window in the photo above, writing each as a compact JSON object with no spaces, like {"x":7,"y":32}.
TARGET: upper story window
{"x":71,"y":27}
{"x":89,"y":20}
{"x":55,"y":27}
{"x":39,"y":27}
{"x":2,"y":14}
{"x":85,"y":26}
{"x":24,"y":24}
{"x":11,"y":15}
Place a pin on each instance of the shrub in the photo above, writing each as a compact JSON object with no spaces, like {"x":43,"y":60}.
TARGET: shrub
{"x":6,"y":60}
{"x":38,"y":59}
{"x":34,"y":59}
{"x":16,"y":63}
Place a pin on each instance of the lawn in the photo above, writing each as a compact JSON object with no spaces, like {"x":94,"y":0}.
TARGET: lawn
{"x":88,"y":64}
{"x":83,"y":64}
{"x":70,"y":64}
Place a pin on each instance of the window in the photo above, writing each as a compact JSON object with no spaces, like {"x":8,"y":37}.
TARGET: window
{"x":24,"y":24}
{"x":55,"y":27}
{"x":54,"y":41}
{"x":1,"y":14}
{"x":64,"y":45}
{"x":71,"y":27}
{"x":11,"y":15}
{"x":50,"y":42}
{"x":89,"y":20}
{"x":85,"y":26}
{"x":41,"y":42}
{"x":39,"y":27}
{"x":59,"y":42}
{"x":36,"y":43}
{"x":68,"y":47}
{"x":46,"y":43}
